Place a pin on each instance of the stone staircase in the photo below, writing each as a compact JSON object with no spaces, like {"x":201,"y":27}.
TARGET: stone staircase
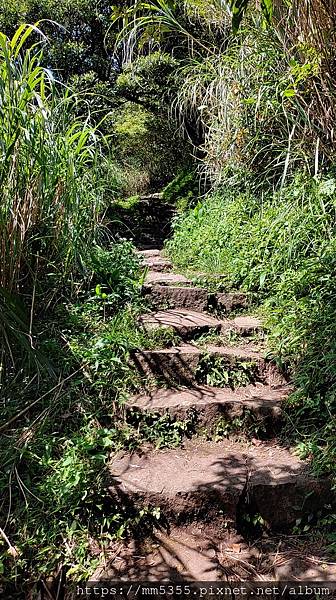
{"x":208,"y":492}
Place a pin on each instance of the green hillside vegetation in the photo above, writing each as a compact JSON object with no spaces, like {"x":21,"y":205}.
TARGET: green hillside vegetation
{"x":231,"y":115}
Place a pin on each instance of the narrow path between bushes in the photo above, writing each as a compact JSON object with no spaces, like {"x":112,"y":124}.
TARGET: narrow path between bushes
{"x":227,"y":500}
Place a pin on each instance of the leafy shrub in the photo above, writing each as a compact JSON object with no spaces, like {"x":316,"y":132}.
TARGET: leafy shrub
{"x":116,"y":273}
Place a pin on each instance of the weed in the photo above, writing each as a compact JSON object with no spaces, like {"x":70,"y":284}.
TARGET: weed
{"x":116,"y":274}
{"x":218,"y":371}
{"x":248,"y":424}
{"x":162,"y":430}
{"x":211,"y":337}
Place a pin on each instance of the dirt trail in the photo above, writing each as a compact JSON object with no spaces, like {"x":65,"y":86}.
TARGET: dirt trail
{"x":228,"y":506}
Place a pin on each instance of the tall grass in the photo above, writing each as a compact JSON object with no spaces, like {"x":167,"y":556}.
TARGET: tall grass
{"x":264,"y":98}
{"x":282,"y":249}
{"x":49,"y":207}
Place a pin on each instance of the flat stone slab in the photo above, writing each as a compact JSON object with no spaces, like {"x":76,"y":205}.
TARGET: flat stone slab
{"x":155,"y":277}
{"x":150,"y":253}
{"x":234,"y":353}
{"x":179,"y":364}
{"x":212,"y":403}
{"x":164,"y":296}
{"x":158,"y":264}
{"x":196,"y":482}
{"x":185,"y":323}
{"x":244,"y":325}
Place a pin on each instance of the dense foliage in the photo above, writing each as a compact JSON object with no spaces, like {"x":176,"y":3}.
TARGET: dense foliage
{"x":99,"y":104}
{"x":270,"y":226}
{"x":49,"y":179}
{"x":283,"y":251}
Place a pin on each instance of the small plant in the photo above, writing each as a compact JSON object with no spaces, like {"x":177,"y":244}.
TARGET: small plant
{"x":116,"y":273}
{"x":217,"y":371}
{"x":162,"y":430}
{"x":247,"y":424}
{"x":225,"y":427}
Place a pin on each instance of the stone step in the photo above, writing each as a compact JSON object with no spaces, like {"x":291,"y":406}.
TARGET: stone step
{"x":199,"y":552}
{"x":211,"y":403}
{"x":173,"y":365}
{"x":190,"y":323}
{"x":181,"y":297}
{"x":194,"y":298}
{"x":151,"y":197}
{"x":244,"y":325}
{"x":149,"y":253}
{"x":155,"y":261}
{"x":206,"y":481}
{"x":155,"y":277}
{"x":186,"y":323}
{"x":169,"y":296}
{"x":158,"y":264}
{"x":180,"y":364}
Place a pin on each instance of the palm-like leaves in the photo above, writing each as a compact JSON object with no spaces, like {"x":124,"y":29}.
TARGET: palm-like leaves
{"x":158,"y":17}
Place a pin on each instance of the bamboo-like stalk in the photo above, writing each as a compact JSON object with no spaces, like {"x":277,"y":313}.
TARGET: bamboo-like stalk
{"x":49,"y":205}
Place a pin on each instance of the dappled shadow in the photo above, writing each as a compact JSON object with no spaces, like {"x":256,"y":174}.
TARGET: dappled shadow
{"x":204,"y":479}
{"x":257,"y":396}
{"x":205,"y":502}
{"x":181,"y":554}
{"x":170,"y":365}
{"x":147,"y":222}
{"x":196,"y":554}
{"x":188,"y":365}
{"x":186,"y":323}
{"x":205,"y":492}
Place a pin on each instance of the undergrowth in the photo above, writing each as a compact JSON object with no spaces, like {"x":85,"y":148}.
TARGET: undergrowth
{"x":281,"y":247}
{"x":219,"y":372}
{"x":58,"y":431}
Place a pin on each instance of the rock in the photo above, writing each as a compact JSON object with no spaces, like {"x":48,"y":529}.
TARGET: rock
{"x":229,"y":301}
{"x":199,"y":481}
{"x":210,"y":403}
{"x":186,"y":323}
{"x":163,"y":296}
{"x":242,"y":325}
